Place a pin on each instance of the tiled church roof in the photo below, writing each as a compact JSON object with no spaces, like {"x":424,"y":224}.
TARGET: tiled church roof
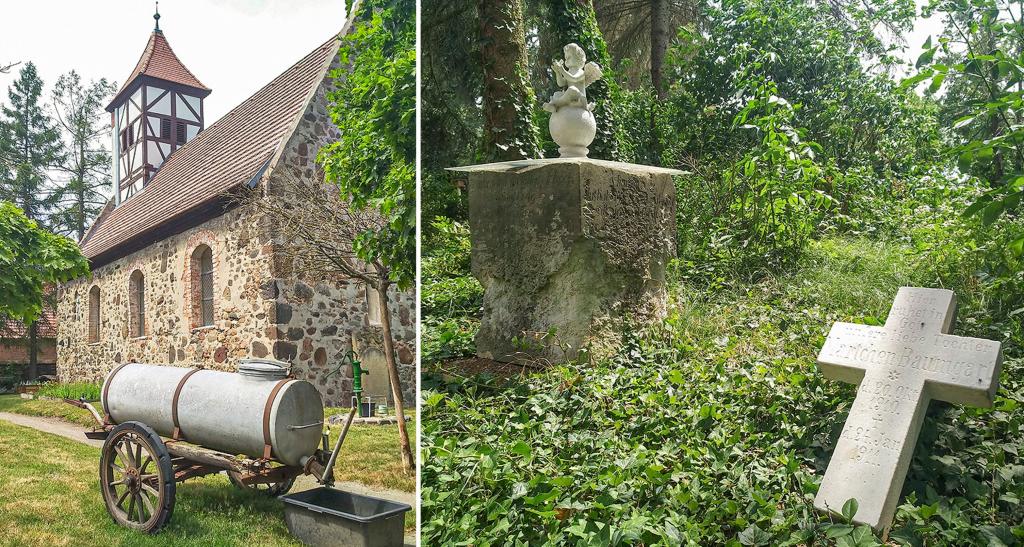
{"x":224,"y":156}
{"x":159,"y":61}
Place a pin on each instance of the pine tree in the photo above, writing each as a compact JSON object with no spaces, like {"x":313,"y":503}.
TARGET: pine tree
{"x":29,"y":147}
{"x":79,"y":109}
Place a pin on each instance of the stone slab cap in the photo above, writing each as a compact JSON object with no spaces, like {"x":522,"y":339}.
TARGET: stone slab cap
{"x":523,"y":166}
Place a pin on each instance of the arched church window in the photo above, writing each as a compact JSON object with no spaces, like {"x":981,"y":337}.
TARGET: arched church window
{"x":94,"y":314}
{"x":137,"y":304}
{"x":202,"y":286}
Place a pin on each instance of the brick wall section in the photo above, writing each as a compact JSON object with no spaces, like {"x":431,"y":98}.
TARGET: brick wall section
{"x":13,"y":352}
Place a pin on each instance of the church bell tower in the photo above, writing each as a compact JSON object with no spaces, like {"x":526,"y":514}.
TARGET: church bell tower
{"x":158,"y":109}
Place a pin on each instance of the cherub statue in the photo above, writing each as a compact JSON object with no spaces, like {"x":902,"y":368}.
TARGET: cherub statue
{"x":574,"y":74}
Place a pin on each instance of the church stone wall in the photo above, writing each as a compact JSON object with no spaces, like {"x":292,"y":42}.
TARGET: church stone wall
{"x":319,"y":322}
{"x":241,"y":314}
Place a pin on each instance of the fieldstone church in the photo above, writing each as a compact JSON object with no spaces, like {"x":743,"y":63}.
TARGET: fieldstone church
{"x":182,"y":274}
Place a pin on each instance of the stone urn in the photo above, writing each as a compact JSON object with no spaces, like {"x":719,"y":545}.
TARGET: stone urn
{"x":573,"y":129}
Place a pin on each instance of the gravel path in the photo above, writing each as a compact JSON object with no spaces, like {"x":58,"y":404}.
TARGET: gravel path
{"x":74,"y":432}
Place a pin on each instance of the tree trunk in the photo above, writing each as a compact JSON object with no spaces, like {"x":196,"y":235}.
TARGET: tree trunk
{"x":80,"y":194}
{"x":33,"y":352}
{"x":396,"y":383}
{"x":659,"y":44}
{"x":574,"y":22}
{"x":508,"y":99}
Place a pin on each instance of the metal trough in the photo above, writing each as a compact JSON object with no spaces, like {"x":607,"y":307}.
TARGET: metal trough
{"x":328,"y":517}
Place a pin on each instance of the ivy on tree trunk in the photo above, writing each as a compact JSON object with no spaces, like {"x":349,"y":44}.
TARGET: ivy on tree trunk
{"x":508,"y":100}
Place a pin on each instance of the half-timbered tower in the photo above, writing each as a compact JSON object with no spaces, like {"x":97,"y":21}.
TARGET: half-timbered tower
{"x":157,"y":110}
{"x":183,"y":274}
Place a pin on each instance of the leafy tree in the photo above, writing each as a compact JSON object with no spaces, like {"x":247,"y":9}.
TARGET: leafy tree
{"x":79,"y":109}
{"x":373,"y":163}
{"x":29,"y":147}
{"x":982,"y":62}
{"x":30,"y":259}
{"x":80,"y":113}
{"x":508,"y":100}
{"x":450,"y":110}
{"x":30,"y":144}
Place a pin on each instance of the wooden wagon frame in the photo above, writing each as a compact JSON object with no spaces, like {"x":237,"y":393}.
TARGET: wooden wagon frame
{"x":139,"y":469}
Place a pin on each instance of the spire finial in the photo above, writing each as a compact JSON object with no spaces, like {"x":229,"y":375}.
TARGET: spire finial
{"x":156,"y":17}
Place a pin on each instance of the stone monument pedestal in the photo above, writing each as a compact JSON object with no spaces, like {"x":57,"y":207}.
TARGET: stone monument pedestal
{"x":566,"y":248}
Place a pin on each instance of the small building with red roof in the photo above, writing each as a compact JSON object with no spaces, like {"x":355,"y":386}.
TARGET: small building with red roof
{"x":16,"y":346}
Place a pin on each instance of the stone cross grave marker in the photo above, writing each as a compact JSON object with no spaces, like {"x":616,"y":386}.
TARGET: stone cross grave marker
{"x":899,"y":368}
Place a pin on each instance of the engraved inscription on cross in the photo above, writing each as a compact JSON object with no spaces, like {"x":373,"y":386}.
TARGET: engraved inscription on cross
{"x":899,"y":368}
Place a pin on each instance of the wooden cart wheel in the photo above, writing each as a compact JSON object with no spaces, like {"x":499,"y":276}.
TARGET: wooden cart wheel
{"x":270,"y":489}
{"x":136,"y":478}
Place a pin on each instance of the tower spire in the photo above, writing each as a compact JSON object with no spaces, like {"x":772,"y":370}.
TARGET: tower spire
{"x":156,"y":17}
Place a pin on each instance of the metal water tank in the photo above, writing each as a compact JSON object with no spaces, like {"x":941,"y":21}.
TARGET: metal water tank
{"x":245,"y":412}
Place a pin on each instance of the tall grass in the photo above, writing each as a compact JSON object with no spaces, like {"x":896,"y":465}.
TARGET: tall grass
{"x":72,"y":390}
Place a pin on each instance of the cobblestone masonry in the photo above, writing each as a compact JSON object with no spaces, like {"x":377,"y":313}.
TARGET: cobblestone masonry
{"x":257,"y":312}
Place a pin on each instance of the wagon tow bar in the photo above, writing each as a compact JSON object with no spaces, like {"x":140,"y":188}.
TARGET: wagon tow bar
{"x":326,"y":474}
{"x":100,"y":431}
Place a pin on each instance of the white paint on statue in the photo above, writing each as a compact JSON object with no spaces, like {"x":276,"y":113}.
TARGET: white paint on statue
{"x":899,"y":367}
{"x":572,"y":124}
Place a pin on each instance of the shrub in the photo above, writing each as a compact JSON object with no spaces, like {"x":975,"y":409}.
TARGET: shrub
{"x":10,"y":377}
{"x":451,"y":297}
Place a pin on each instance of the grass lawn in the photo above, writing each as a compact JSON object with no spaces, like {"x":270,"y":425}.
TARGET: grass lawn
{"x":49,"y":496}
{"x":382,"y":470}
{"x":49,"y":493}
{"x":47,"y":408}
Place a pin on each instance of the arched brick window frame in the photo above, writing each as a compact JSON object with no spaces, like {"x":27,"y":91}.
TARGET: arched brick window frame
{"x":94,"y":314}
{"x":201,"y":294}
{"x":137,"y":304}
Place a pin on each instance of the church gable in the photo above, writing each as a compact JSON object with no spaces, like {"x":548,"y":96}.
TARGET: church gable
{"x":237,"y":150}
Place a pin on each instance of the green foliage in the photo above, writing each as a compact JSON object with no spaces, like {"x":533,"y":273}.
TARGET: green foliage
{"x":80,"y":110}
{"x":980,"y":64}
{"x":29,"y":145}
{"x":508,"y":101}
{"x":450,"y":298}
{"x":30,"y":258}
{"x":715,"y":428}
{"x":783,"y":132}
{"x":776,"y":202}
{"x":10,"y":377}
{"x":374,"y":106}
{"x":816,"y":186}
{"x":71,"y":390}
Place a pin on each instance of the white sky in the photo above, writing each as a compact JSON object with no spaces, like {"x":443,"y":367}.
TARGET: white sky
{"x":923,"y":28}
{"x":233,"y":46}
